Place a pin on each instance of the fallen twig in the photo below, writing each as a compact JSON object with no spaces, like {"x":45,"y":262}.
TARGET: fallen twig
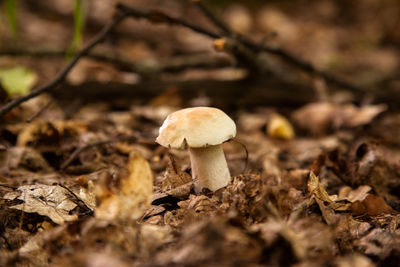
{"x":64,"y":72}
{"x":79,"y":201}
{"x":160,"y":17}
{"x":212,"y":17}
{"x":305,"y":66}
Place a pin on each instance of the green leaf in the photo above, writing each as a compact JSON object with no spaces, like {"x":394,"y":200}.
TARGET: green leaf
{"x":11,"y":11}
{"x":17,"y":81}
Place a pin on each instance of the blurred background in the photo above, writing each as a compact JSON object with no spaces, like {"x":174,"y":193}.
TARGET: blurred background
{"x":356,"y":41}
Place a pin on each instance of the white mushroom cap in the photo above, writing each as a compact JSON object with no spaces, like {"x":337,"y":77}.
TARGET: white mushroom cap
{"x":196,"y":127}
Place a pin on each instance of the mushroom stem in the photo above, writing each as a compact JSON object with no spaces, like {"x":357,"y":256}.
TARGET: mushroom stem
{"x":209,"y":168}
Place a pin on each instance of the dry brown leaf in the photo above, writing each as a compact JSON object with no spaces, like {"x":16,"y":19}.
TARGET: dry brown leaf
{"x":371,"y":205}
{"x":320,"y":116}
{"x":329,"y":215}
{"x":315,"y":188}
{"x":200,"y":204}
{"x":314,"y":117}
{"x":352,"y":116}
{"x":131,"y":195}
{"x":52,"y":201}
{"x":174,"y":177}
{"x":182,"y":191}
{"x":153,"y":211}
{"x":88,"y":196}
{"x":48,"y":130}
{"x":351,"y":195}
{"x":176,"y":183}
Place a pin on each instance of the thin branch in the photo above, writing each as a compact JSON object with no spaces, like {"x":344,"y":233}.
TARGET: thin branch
{"x":63,"y":74}
{"x":79,"y":150}
{"x":212,"y":17}
{"x":160,"y":17}
{"x":305,"y":66}
{"x":79,"y":201}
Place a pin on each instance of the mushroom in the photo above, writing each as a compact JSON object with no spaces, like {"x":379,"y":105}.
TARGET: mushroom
{"x":202,"y":130}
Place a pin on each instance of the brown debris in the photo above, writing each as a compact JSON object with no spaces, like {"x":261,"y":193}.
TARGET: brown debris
{"x":76,"y":191}
{"x":320,"y":117}
{"x":372,"y":205}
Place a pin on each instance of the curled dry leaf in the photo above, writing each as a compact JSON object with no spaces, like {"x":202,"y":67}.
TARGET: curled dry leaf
{"x":52,"y":201}
{"x":130,"y":196}
{"x":317,"y":189}
{"x":353,"y":195}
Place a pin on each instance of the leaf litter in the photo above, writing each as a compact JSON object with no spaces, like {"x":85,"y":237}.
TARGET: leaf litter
{"x":321,"y":188}
{"x":304,"y":201}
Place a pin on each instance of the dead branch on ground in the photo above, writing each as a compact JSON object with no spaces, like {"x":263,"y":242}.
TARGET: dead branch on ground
{"x":160,"y":17}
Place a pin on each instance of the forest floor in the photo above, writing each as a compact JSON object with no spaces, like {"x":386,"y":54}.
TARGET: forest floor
{"x":315,"y":172}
